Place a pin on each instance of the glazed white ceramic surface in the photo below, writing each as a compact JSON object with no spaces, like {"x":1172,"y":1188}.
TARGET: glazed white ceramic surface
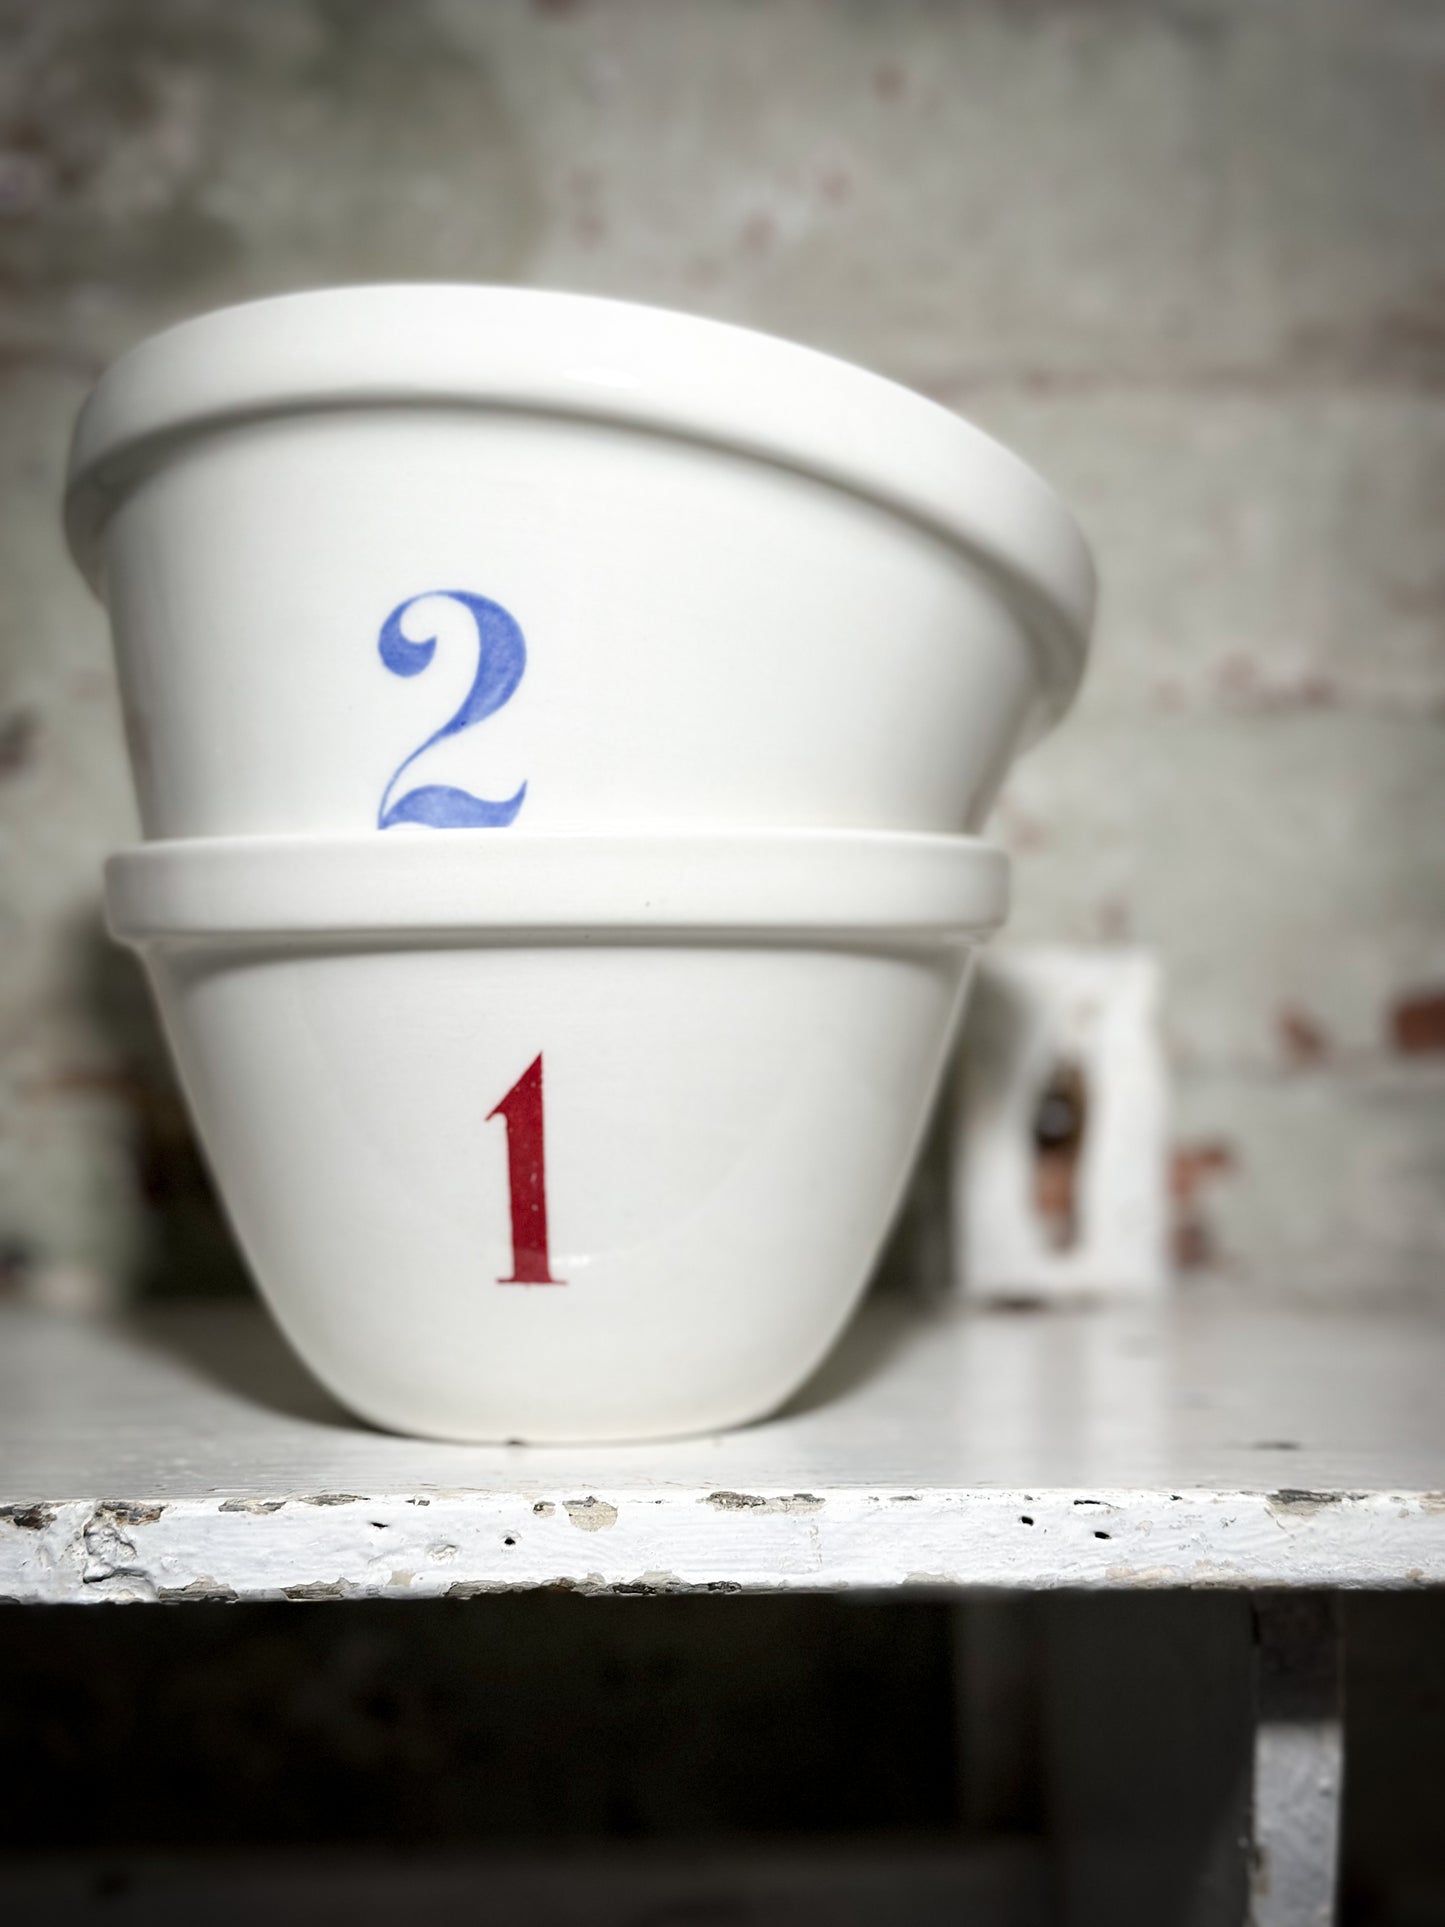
{"x":720,"y":1065}
{"x":498,"y":558}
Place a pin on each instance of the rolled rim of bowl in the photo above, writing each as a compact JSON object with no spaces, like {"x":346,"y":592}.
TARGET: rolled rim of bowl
{"x":531,"y":351}
{"x":407,"y":885}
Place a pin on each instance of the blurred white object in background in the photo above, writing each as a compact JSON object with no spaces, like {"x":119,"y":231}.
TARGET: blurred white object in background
{"x":1058,"y":1179}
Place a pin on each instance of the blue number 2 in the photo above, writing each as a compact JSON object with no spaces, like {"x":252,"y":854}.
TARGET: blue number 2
{"x":501,"y":660}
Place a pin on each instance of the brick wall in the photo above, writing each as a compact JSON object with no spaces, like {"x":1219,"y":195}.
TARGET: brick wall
{"x":1189,"y":257}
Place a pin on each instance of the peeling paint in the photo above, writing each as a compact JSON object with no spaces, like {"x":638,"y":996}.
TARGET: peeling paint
{"x":939,"y":1540}
{"x":330,"y":1498}
{"x":129,"y":1512}
{"x":1292,"y":1498}
{"x":647,"y":1585}
{"x":757,"y":1502}
{"x":257,"y":1506}
{"x":29,"y":1518}
{"x":665,"y":1585}
{"x":204,"y":1588}
{"x":109,"y":1555}
{"x":544,"y":1509}
{"x":591,"y":1514}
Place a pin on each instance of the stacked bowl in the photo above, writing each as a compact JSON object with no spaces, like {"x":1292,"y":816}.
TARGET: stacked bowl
{"x":561,"y":730}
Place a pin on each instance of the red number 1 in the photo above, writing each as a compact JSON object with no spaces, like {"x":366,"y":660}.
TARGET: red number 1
{"x":521,"y":1109}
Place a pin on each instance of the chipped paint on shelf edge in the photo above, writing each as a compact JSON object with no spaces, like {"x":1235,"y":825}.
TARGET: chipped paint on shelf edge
{"x":451,"y":1544}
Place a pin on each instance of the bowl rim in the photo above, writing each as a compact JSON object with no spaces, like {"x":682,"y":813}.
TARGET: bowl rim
{"x":535,"y":351}
{"x":410,"y":884}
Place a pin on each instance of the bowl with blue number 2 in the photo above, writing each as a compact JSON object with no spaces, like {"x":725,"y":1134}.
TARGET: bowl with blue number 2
{"x":555,"y":1137}
{"x":443,"y":557}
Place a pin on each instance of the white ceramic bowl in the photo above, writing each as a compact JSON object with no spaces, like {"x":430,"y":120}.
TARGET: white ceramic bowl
{"x":676,"y":573}
{"x":551,"y":1138}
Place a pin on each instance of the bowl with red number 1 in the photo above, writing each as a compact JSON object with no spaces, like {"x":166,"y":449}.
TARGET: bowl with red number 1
{"x":561,"y":732}
{"x":559,"y":1138}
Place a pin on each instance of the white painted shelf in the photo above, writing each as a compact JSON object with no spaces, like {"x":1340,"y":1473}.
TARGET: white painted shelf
{"x":184,"y":1455}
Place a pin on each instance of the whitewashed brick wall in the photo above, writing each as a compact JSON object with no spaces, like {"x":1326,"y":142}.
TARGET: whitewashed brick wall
{"x":1187,"y":256}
